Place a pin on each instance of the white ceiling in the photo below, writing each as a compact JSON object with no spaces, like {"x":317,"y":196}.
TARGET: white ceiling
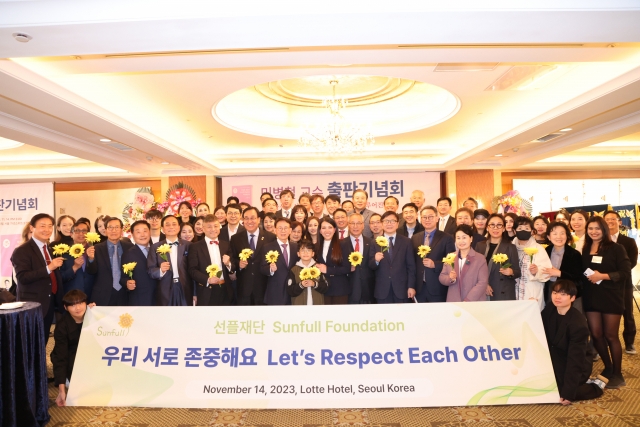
{"x":147,"y":75}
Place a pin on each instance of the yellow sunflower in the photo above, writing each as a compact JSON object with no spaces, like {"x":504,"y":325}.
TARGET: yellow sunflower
{"x":76,"y":250}
{"x":355,"y":258}
{"x":60,"y":249}
{"x":423,"y":251}
{"x":272,"y":256}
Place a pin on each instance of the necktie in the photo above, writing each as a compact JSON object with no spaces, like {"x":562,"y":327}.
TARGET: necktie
{"x":174,"y":243}
{"x":286,"y":214}
{"x":115,"y":269}
{"x":211,"y":242}
{"x":252,"y":244}
{"x":145,"y":251}
{"x":52,"y":275}
{"x":358,"y":244}
{"x":441,"y":224}
{"x":390,"y":247}
{"x":284,"y":254}
{"x":341,"y":234}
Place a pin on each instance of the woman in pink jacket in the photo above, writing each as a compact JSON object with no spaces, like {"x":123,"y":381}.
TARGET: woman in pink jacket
{"x":469,"y":276}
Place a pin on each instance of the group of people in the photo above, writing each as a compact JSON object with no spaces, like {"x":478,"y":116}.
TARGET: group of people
{"x":417,"y":253}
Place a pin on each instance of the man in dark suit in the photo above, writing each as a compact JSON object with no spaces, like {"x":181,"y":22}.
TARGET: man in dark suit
{"x":154,"y":218}
{"x":211,"y":291}
{"x":286,"y":203}
{"x":73,"y":270}
{"x":278,"y":272}
{"x":38,"y":272}
{"x":317,"y":206}
{"x":233,"y":225}
{"x":105,"y":262}
{"x":331,"y":203}
{"x":141,"y":288}
{"x":411,"y":225}
{"x":359,"y":199}
{"x":174,"y":271}
{"x":250,"y":283}
{"x":446,"y":222}
{"x":396,"y":267}
{"x":629,"y":332}
{"x":428,"y":269}
{"x":361,"y":278}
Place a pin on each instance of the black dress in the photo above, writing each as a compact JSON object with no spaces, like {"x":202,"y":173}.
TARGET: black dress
{"x":66,"y":336}
{"x":608,"y":296}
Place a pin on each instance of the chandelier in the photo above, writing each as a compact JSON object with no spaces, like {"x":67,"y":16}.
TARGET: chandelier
{"x":336,"y":135}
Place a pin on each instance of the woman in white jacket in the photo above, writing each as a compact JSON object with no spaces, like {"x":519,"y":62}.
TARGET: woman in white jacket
{"x":533,"y":260}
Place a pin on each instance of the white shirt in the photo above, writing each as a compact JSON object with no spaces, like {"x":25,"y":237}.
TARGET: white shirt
{"x":155,"y":239}
{"x":614,"y":237}
{"x":346,"y":233}
{"x":256,"y":234}
{"x":232,"y":232}
{"x":286,"y":213}
{"x":442,"y":223}
{"x":173,"y":258}
{"x":359,"y":239}
{"x":214,"y":252}
{"x":40,"y":246}
{"x":325,"y":249}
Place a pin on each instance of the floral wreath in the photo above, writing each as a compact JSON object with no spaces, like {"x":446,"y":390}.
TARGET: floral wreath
{"x":135,"y":211}
{"x":175,"y":195}
{"x":512,"y":202}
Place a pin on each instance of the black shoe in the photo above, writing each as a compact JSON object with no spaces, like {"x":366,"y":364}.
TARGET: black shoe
{"x":607,"y":373}
{"x":616,"y":382}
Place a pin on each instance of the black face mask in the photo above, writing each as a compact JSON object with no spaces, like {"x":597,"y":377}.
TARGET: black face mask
{"x":523,"y":235}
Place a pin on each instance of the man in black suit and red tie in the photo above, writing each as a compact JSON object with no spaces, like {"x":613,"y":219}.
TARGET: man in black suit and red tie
{"x":38,"y":271}
{"x":278,"y":272}
{"x":211,"y":291}
{"x":629,"y":244}
{"x":446,"y":222}
{"x":105,"y":261}
{"x":141,"y":287}
{"x":395,"y":267}
{"x":428,"y":269}
{"x":361,"y":278}
{"x":250,"y":283}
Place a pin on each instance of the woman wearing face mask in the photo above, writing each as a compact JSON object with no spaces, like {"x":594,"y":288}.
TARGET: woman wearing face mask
{"x":311,"y":233}
{"x":578,"y":222}
{"x":607,"y":268}
{"x":468,"y":278}
{"x":297,"y":231}
{"x":299,"y":213}
{"x":332,"y":256}
{"x":63,"y":230}
{"x":530,"y":285}
{"x":566,"y":262}
{"x":540,"y":224}
{"x":510,"y":220}
{"x":502,"y":281}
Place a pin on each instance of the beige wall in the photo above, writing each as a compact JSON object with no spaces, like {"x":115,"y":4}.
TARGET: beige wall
{"x":93,"y":203}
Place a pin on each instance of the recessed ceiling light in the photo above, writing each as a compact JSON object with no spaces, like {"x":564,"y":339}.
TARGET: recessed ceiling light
{"x":565,"y":130}
{"x":164,"y":163}
{"x":22,"y":37}
{"x":498,"y":155}
{"x":105,"y":140}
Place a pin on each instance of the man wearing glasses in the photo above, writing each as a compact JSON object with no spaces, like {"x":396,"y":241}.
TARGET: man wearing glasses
{"x":361,"y":278}
{"x":278,"y":272}
{"x":232,"y":227}
{"x":154,"y":218}
{"x":105,"y":262}
{"x":74,"y":270}
{"x":395,"y":267}
{"x":428,"y":269}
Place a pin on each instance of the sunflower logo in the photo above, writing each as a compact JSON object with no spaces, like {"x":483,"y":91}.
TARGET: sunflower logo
{"x":125,"y":320}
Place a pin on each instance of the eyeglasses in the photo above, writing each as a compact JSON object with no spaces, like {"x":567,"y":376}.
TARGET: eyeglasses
{"x":233,"y":213}
{"x":81,"y":231}
{"x":282,"y":228}
{"x":356,"y":223}
{"x":153,"y":219}
{"x":498,"y":226}
{"x":250,"y":218}
{"x":389,"y":221}
{"x":428,"y":218}
{"x":113,"y":228}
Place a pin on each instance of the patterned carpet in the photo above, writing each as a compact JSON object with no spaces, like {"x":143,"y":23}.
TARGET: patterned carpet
{"x":615,"y":408}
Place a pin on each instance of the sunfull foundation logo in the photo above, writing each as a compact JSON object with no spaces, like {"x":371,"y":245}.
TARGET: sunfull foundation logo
{"x":125,"y":322}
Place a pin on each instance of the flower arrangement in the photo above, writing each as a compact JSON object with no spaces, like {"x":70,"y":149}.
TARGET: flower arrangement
{"x":92,"y":238}
{"x":512,"y":202}
{"x":450,"y":259}
{"x":502,"y":260}
{"x":175,"y":195}
{"x":163,"y":250}
{"x":383,"y":242}
{"x":531,"y":251}
{"x":245,"y":254}
{"x":76,"y":250}
{"x":60,"y":249}
{"x":128,"y":269}
{"x":272,"y":256}
{"x":423,"y":251}
{"x":355,"y":258}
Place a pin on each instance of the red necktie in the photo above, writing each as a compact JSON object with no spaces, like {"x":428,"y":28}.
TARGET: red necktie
{"x":52,"y":274}
{"x":211,"y":242}
{"x":341,"y":234}
{"x":358,"y":244}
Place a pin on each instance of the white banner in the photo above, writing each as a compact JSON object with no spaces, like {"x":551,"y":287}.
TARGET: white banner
{"x":360,"y":356}
{"x":18,"y":203}
{"x":378,"y":185}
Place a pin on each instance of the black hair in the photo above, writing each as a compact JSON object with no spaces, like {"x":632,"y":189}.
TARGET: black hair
{"x":466,"y":229}
{"x":444,"y":198}
{"x":391,"y":197}
{"x":264,"y":202}
{"x":306,"y":244}
{"x":108,"y":219}
{"x":235,"y":206}
{"x":38,"y":217}
{"x":232,"y":198}
{"x":336,"y":249}
{"x":289,"y":192}
{"x":340,"y":210}
{"x":333,"y":197}
{"x":565,"y":227}
{"x":387,"y":214}
{"x":74,"y":297}
{"x":187,"y":204}
{"x":606,"y":241}
{"x":611,"y":213}
{"x":523,"y":220}
{"x":137,"y":223}
{"x":251,"y":208}
{"x":153,"y":213}
{"x":410,"y":205}
{"x":565,"y":286}
{"x":167,"y":217}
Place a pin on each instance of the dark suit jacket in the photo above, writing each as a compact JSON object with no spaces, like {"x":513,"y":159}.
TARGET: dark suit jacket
{"x":224,"y":233}
{"x":397,"y":274}
{"x":504,"y":287}
{"x":63,"y":356}
{"x":199,"y":259}
{"x":402,"y":229}
{"x":250,"y":280}
{"x":276,"y":293}
{"x":450,"y":226}
{"x":441,"y":245}
{"x":34,"y":282}
{"x":630,"y":246}
{"x":163,"y":290}
{"x":279,"y":213}
{"x":567,"y":348}
{"x":145,"y":292}
{"x":570,"y":268}
{"x":80,"y":279}
{"x":362,"y":280}
{"x":101,"y":267}
{"x":337,"y":273}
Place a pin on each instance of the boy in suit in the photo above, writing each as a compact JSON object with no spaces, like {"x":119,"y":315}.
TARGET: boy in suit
{"x":278,"y":272}
{"x":141,"y":288}
{"x":396,"y":267}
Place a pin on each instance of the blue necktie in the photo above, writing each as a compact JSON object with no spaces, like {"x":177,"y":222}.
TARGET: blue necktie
{"x":115,"y":269}
{"x":252,"y":244}
{"x":145,"y":251}
{"x":390,"y":247}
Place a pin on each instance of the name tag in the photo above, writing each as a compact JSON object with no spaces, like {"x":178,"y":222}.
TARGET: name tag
{"x":596,"y":259}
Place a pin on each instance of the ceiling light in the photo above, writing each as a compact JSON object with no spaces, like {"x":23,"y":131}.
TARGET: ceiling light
{"x":565,"y":130}
{"x":105,"y":140}
{"x":22,"y":37}
{"x":336,"y":135}
{"x":528,"y":77}
{"x":498,"y":155}
{"x":7,"y":144}
{"x":164,"y":163}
